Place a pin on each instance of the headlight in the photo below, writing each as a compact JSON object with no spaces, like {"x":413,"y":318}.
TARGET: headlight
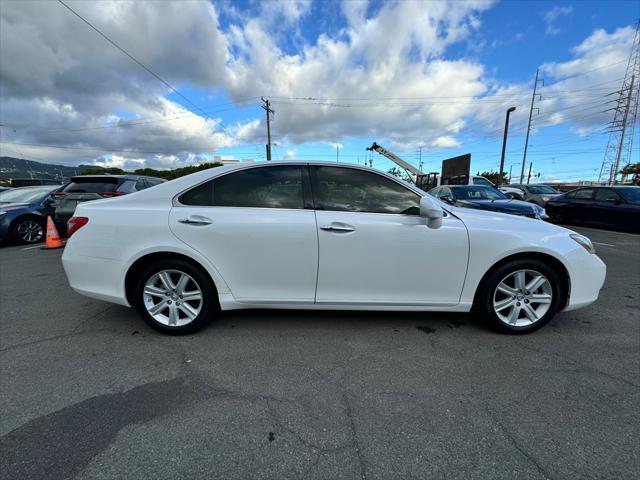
{"x":584,"y":242}
{"x":539,"y":211}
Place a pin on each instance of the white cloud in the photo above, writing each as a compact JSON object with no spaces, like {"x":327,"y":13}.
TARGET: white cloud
{"x":384,"y":76}
{"x":552,"y":16}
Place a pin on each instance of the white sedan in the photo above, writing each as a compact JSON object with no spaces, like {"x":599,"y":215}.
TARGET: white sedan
{"x":314,"y":235}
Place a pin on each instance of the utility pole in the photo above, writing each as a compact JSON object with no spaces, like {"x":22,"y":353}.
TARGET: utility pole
{"x":529,"y":176}
{"x":526,"y":140}
{"x":267,"y":108}
{"x":420,"y":159}
{"x":337,"y":153}
{"x":504,"y":145}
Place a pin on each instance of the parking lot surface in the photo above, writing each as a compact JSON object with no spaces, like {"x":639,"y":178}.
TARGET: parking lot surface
{"x":89,"y":392}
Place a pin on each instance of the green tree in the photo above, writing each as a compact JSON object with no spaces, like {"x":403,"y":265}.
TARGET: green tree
{"x":494,"y":177}
{"x":632,"y":169}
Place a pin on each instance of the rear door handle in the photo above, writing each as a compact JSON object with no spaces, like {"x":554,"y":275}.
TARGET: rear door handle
{"x":338,"y":228}
{"x":196,"y":220}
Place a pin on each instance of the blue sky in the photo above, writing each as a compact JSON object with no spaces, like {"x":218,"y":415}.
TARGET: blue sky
{"x":436,"y":74}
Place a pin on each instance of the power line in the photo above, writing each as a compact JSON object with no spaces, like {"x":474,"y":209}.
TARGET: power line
{"x":158,"y":77}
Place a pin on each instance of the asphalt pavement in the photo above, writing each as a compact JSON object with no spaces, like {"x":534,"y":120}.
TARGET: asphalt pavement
{"x":87,"y":391}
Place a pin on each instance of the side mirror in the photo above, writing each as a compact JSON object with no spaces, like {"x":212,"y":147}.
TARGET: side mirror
{"x":431,"y":210}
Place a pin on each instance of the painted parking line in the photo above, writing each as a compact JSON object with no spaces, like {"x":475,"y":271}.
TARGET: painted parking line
{"x":600,"y":243}
{"x":31,"y":248}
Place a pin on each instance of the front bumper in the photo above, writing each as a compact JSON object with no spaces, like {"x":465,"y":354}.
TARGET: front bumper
{"x":587,"y":277}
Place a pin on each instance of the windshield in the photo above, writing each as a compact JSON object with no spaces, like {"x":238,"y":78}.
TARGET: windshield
{"x":478,"y":193}
{"x":630,"y":194}
{"x":25,"y":194}
{"x":542,"y":189}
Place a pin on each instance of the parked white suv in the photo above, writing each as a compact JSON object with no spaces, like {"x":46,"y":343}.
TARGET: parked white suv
{"x":313,"y":235}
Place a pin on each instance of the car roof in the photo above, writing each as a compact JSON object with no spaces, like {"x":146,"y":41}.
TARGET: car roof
{"x":107,"y":175}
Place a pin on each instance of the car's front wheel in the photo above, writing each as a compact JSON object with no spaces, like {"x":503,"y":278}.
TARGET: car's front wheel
{"x":27,"y":230}
{"x":521,"y":296}
{"x":175,"y":297}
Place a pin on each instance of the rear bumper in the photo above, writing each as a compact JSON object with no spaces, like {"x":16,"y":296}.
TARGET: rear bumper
{"x":587,"y":278}
{"x":98,"y":278}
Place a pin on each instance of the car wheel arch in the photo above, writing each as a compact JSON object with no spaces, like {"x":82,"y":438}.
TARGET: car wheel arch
{"x":141,"y":263}
{"x":550,"y":260}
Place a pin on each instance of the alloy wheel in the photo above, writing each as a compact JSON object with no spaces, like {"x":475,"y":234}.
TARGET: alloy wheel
{"x":172,"y":298}
{"x":30,"y":231}
{"x":522,"y":298}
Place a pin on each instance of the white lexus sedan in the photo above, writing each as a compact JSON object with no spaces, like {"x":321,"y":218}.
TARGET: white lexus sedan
{"x":314,"y":235}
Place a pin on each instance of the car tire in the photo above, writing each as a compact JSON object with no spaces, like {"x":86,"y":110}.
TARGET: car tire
{"x":27,"y":230}
{"x":520,"y":296}
{"x":175,"y":297}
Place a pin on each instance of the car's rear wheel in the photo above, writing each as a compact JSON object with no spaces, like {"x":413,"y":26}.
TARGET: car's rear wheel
{"x":27,"y":230}
{"x":175,"y":297}
{"x":521,"y":296}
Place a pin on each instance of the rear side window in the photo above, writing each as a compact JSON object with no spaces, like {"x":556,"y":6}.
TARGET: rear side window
{"x":584,"y":194}
{"x":128,"y":186}
{"x":90,"y":187}
{"x":263,"y":187}
{"x":351,"y":190}
{"x":198,"y":196}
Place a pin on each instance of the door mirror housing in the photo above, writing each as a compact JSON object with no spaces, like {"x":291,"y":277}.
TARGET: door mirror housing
{"x":431,"y":210}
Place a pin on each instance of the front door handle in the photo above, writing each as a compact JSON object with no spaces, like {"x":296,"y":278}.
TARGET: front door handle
{"x":196,"y":220}
{"x":339,"y":228}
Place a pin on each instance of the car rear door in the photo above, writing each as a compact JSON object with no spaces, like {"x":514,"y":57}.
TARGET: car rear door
{"x":607,"y":207}
{"x":253,"y":226}
{"x":580,"y":208}
{"x":375,"y":248}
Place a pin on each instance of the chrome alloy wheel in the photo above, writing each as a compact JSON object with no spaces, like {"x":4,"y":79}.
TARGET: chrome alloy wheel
{"x":522,"y":298}
{"x":30,"y":231}
{"x":172,"y":298}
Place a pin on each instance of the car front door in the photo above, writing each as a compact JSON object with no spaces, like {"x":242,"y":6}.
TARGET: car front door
{"x":375,"y":248}
{"x":606,"y":208}
{"x":253,"y":226}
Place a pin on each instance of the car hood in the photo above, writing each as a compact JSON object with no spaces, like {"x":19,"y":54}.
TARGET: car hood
{"x":487,"y":219}
{"x":7,"y":207}
{"x":499,"y":205}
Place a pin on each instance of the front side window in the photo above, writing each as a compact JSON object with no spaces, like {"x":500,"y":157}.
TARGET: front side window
{"x":263,"y":187}
{"x":606,"y":195}
{"x":351,"y":190}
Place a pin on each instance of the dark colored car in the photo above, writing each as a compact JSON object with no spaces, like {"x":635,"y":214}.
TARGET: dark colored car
{"x":614,"y":207}
{"x":23,"y":213}
{"x":85,"y":188}
{"x":486,"y":198}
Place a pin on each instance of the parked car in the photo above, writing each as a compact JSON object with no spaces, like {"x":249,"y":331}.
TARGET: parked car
{"x":3,"y":188}
{"x":538,"y":194}
{"x":486,"y":198}
{"x":316,"y":235}
{"x":85,"y":188}
{"x":614,"y":207}
{"x":23,"y":213}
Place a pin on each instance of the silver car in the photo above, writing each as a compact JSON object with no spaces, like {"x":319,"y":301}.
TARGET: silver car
{"x":538,"y":194}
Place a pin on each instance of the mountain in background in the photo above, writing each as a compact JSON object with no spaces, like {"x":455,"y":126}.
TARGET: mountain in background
{"x":13,"y":168}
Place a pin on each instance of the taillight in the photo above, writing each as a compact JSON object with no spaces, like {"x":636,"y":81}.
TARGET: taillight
{"x":110,"y":194}
{"x":75,"y":223}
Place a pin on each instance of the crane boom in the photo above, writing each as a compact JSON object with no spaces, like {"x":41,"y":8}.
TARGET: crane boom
{"x":395,"y":159}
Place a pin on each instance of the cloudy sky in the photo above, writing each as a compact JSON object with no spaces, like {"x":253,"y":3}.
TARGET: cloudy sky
{"x":435,"y":76}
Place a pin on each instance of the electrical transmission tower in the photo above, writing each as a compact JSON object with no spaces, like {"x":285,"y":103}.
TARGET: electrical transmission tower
{"x":622,"y":128}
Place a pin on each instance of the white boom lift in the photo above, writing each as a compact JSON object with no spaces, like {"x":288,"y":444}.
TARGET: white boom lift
{"x":395,"y":159}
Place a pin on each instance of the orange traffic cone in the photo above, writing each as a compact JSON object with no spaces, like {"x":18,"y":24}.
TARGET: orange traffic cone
{"x":53,"y":239}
